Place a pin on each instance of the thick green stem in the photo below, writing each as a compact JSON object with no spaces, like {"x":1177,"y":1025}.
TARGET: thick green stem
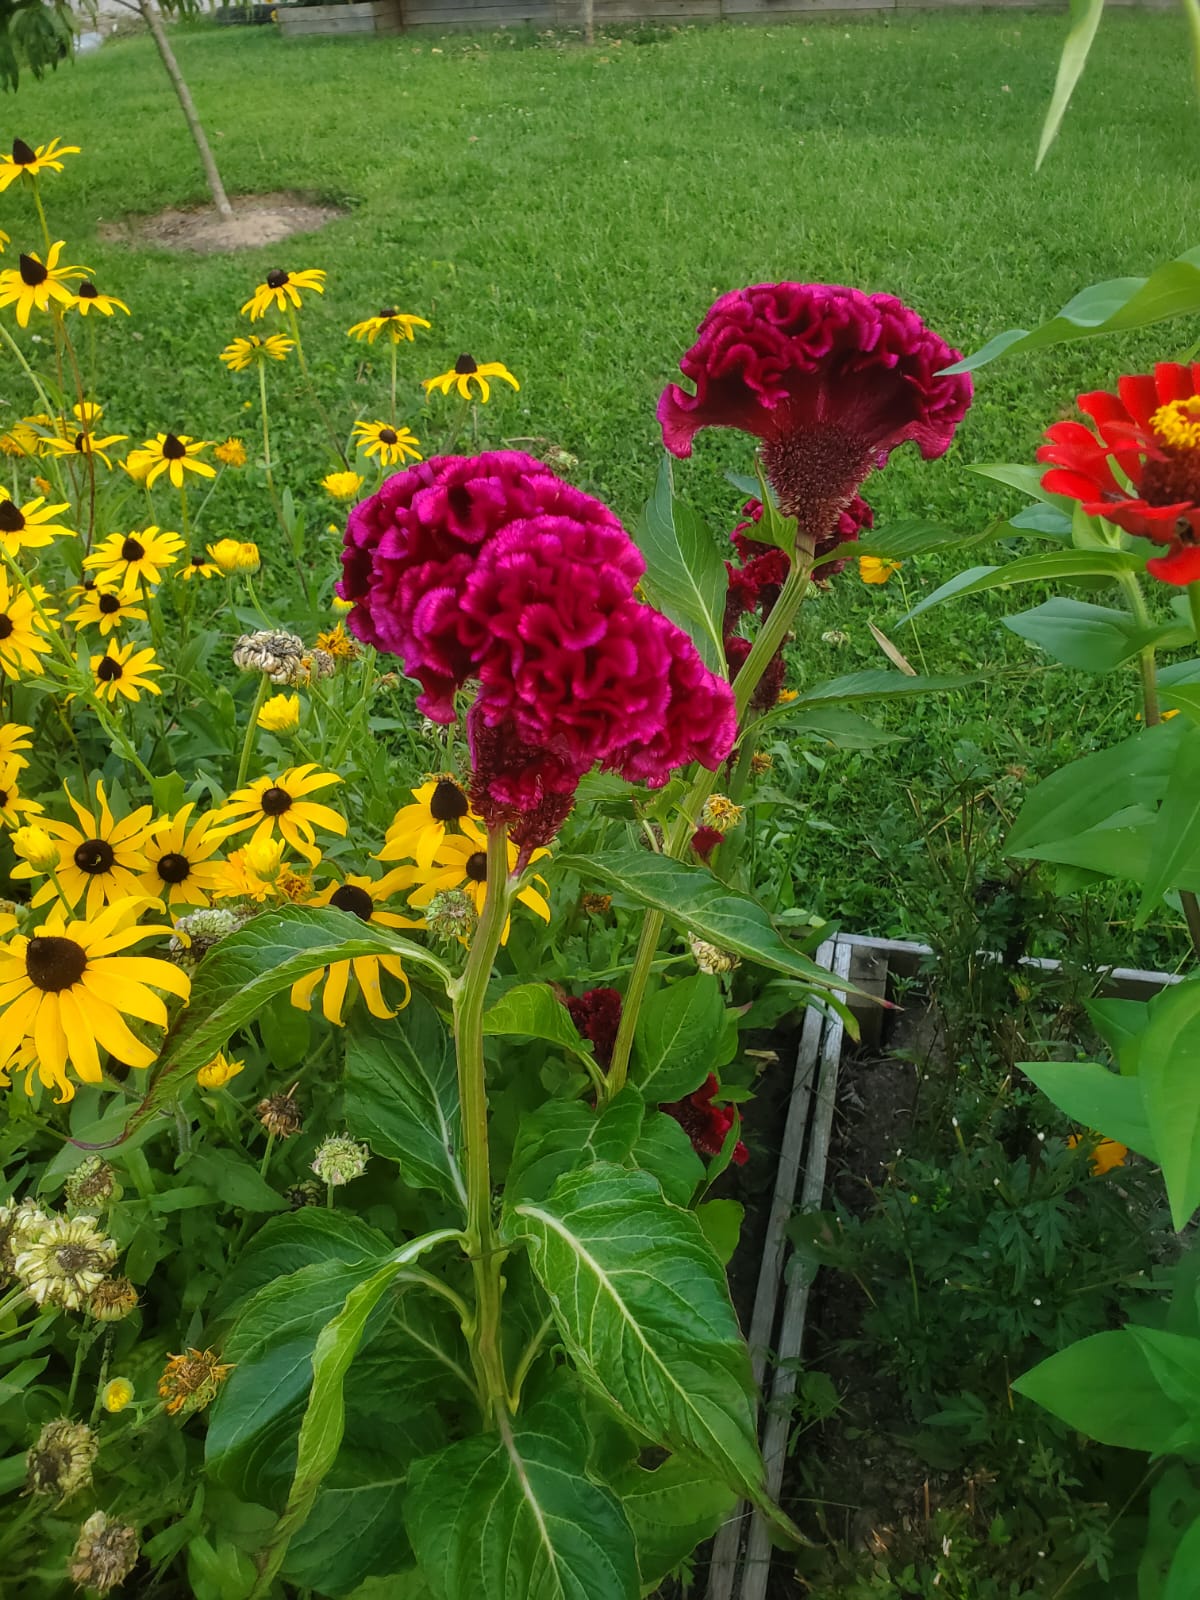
{"x":312,"y":388}
{"x":1193,"y":594}
{"x":770,"y":636}
{"x":1146,"y":663}
{"x":483,"y":1247}
{"x":393,"y":410}
{"x":262,"y":406}
{"x":264,"y":689}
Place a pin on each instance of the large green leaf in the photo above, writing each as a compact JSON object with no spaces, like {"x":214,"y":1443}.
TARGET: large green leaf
{"x":1091,"y":638}
{"x":1174,"y":1359}
{"x":874,"y":683}
{"x":902,"y":539}
{"x":665,"y":1150}
{"x":678,"y":1030}
{"x":401,"y":1095}
{"x":535,"y":1011}
{"x":298,"y":1239}
{"x":642,"y":1305}
{"x":671,"y":1510}
{"x":693,"y":899}
{"x":1181,"y":1579}
{"x":1085,"y":19}
{"x":1022,"y":475}
{"x":1115,"y":306}
{"x":565,"y":1134}
{"x":1044,"y":567}
{"x":1175,"y":837}
{"x":1104,"y":1387}
{"x":325,"y":1415}
{"x":685,"y":575}
{"x":1099,"y":1099}
{"x":241,"y":974}
{"x":513,"y":1515}
{"x":834,"y":725}
{"x":1169,"y":1073}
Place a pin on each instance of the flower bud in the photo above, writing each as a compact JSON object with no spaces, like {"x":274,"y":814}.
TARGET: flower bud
{"x":34,"y":845}
{"x":216,"y":1073}
{"x":339,"y":1160}
{"x":280,"y":714}
{"x":224,"y":556}
{"x":116,"y":1395}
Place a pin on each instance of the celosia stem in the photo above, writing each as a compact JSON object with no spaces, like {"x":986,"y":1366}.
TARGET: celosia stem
{"x":482,"y":1245}
{"x":770,"y":637}
{"x":264,"y":688}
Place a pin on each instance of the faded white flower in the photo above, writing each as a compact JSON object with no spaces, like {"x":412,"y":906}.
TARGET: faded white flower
{"x":836,"y":636}
{"x":710,"y":958}
{"x":65,"y":1261}
{"x":20,"y":1224}
{"x":272,"y":651}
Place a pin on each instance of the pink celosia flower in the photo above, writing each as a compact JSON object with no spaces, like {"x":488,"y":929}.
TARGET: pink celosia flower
{"x":597,"y":1016}
{"x":829,"y":378}
{"x":706,"y":1125}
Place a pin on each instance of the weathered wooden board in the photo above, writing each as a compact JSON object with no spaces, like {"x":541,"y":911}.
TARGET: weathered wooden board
{"x":360,"y":16}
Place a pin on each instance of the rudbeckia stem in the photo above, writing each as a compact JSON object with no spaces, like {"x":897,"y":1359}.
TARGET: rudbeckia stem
{"x":468,"y":996}
{"x":392,"y":414}
{"x":264,"y":688}
{"x":312,"y":389}
{"x":41,"y":210}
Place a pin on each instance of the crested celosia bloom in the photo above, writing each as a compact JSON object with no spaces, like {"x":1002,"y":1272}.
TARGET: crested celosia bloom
{"x":492,"y":568}
{"x":597,"y":1016}
{"x":1150,"y":429}
{"x":829,"y":378}
{"x":705,"y":1124}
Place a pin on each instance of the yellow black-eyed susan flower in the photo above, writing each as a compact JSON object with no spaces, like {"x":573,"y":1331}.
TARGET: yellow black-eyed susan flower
{"x":80,"y":435}
{"x":107,"y":609}
{"x":231,"y":556}
{"x":30,"y":526}
{"x":417,"y":830}
{"x":398,"y":325}
{"x":67,"y":990}
{"x":28,"y":161}
{"x":199,"y":567}
{"x":88,"y":298}
{"x":174,"y":454}
{"x":22,"y":633}
{"x":100,"y":860}
{"x":15,"y":809}
{"x":243,"y":353}
{"x":242,"y":876}
{"x":33,"y":283}
{"x":281,"y":289}
{"x":390,"y":444}
{"x":24,"y":438}
{"x":181,"y":870}
{"x":460,"y":862}
{"x":122,"y":671}
{"x":14,"y":738}
{"x":366,"y":899}
{"x":467,"y":371}
{"x":131,"y":559}
{"x":231,"y":454}
{"x":282,"y":803}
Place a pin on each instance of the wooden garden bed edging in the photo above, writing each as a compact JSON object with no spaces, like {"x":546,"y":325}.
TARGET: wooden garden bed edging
{"x":359,"y":16}
{"x":741,"y":1558}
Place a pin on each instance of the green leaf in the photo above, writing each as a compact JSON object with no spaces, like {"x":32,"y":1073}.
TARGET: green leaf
{"x":1043,"y":567}
{"x":1104,"y":1388}
{"x":693,"y":899}
{"x":1085,"y":19}
{"x":1092,"y":638}
{"x":1121,"y":1024}
{"x":298,"y":1239}
{"x":1174,"y":1359}
{"x":401,"y":1095}
{"x":902,"y":539}
{"x":1175,"y":838}
{"x":874,"y":683}
{"x":513,"y":1513}
{"x":325,"y":1416}
{"x":721,"y":1222}
{"x":666,"y":1152}
{"x":843,"y":729}
{"x":1101,"y":1100}
{"x":242,"y":973}
{"x":676,"y":1032}
{"x":1169,"y":1074}
{"x":233,"y":1180}
{"x":1115,"y":306}
{"x":685,"y":575}
{"x":563,"y":1135}
{"x":642,"y":1305}
{"x":1023,"y":476}
{"x":671,"y":1510}
{"x":535,"y":1011}
{"x":1181,"y":1579}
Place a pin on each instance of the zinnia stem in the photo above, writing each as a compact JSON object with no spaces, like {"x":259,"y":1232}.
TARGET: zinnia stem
{"x":482,"y":1246}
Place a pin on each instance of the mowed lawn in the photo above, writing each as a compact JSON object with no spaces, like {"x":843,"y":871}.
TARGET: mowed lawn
{"x":573,"y":212}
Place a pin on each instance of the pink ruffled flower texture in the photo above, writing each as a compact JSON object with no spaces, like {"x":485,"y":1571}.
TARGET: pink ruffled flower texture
{"x":492,"y":568}
{"x":832,"y":380}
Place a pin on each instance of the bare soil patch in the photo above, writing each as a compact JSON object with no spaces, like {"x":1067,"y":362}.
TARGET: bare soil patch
{"x":258,"y":219}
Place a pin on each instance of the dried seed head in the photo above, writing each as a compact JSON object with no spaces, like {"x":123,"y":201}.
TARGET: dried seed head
{"x":93,"y":1185}
{"x":280,"y":1115}
{"x":597,"y":905}
{"x":339,"y":1160}
{"x":190,"y":1382}
{"x":272,"y":651}
{"x":105,"y":1553}
{"x":761,"y":761}
{"x":308,"y":1193}
{"x":451,"y":915}
{"x":60,"y":1462}
{"x":709,"y":958}
{"x":112,"y":1300}
{"x":199,"y":931}
{"x":65,"y":1262}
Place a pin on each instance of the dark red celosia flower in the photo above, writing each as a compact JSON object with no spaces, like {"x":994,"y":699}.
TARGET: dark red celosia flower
{"x":766,"y":692}
{"x":523,"y":785}
{"x":597,"y":1016}
{"x":705,"y":841}
{"x":829,"y":378}
{"x":706,"y":1125}
{"x":1151,"y":429}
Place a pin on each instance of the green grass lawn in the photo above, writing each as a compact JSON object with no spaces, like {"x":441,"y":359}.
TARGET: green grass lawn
{"x":572,"y":214}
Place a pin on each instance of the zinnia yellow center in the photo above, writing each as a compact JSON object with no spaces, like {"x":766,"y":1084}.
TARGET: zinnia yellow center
{"x":1177,"y":424}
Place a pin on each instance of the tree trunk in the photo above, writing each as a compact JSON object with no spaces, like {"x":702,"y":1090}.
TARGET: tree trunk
{"x":216,"y":187}
{"x":589,"y":21}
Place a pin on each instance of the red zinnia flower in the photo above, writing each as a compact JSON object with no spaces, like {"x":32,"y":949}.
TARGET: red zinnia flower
{"x":829,"y":378}
{"x":597,"y":1016}
{"x":1151,"y":429}
{"x":706,"y":1125}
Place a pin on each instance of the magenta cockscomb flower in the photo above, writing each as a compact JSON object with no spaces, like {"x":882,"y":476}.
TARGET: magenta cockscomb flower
{"x":705,"y":1124}
{"x":597,"y":1016}
{"x":829,"y":378}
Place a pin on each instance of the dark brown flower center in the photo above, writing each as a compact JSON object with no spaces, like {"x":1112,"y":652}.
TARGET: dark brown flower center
{"x":108,"y":604}
{"x":132,"y":550}
{"x":349,"y":897}
{"x":81,"y":440}
{"x":276,"y":278}
{"x":5,"y":796}
{"x":275,"y":801}
{"x":387,"y":313}
{"x":32,"y":272}
{"x":53,"y":963}
{"x":12,"y":518}
{"x":448,"y":802}
{"x":477,"y":867}
{"x":388,"y":435}
{"x":109,"y":670}
{"x":173,"y":868}
{"x":88,"y":290}
{"x":76,"y":1258}
{"x":94,"y":855}
{"x":173,"y":449}
{"x":22,"y":154}
{"x":199,"y":561}
{"x":465,"y":365}
{"x":1166,"y":483}
{"x":7,"y":625}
